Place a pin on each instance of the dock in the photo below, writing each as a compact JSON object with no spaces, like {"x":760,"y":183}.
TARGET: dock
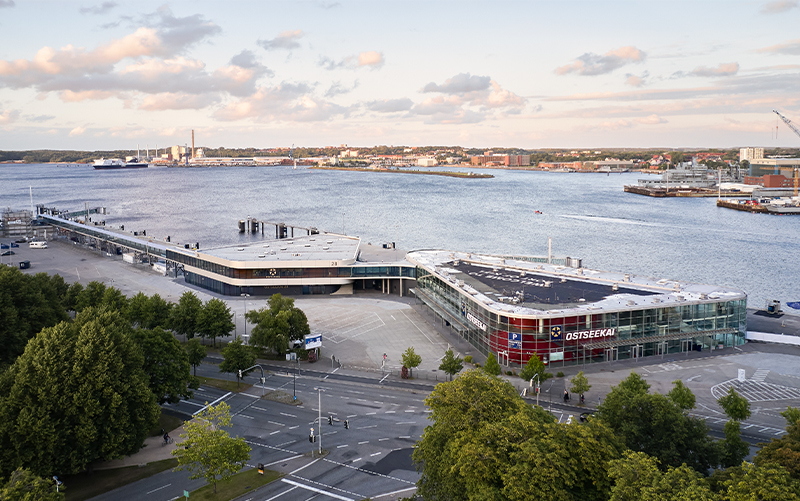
{"x":754,"y":207}
{"x":679,"y":192}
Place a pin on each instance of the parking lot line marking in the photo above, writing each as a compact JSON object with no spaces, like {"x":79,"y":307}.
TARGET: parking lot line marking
{"x":274,"y":432}
{"x":390,"y":412}
{"x":342,"y":446}
{"x":405,"y":436}
{"x":365,"y":427}
{"x":371,"y":413}
{"x":410,"y":410}
{"x":352,"y":415}
{"x":362,"y":443}
{"x":355,"y":460}
{"x":407,"y":422}
{"x":382,"y":439}
{"x":377,"y":453}
{"x":246,"y":416}
{"x":293,"y":427}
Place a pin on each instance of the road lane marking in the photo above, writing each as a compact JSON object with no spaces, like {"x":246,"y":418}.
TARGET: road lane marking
{"x":405,"y":436}
{"x":282,"y":493}
{"x":407,"y":422}
{"x":293,"y":427}
{"x":259,"y":408}
{"x":371,"y":413}
{"x":276,"y":423}
{"x":246,"y":416}
{"x":162,"y":487}
{"x":365,"y":427}
{"x":362,"y":443}
{"x":341,"y":446}
{"x":384,"y":377}
{"x":288,"y":415}
{"x":314,"y":489}
{"x":392,"y":493}
{"x":382,"y":439}
{"x":215,"y":402}
{"x":274,"y":432}
{"x":390,"y":412}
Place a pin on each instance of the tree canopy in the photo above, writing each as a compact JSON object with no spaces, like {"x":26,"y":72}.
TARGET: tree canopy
{"x":185,"y":315}
{"x":487,"y":443}
{"x":23,"y":485}
{"x":77,"y":394}
{"x":784,"y":451}
{"x":196,"y":353}
{"x":207,"y":451}
{"x":410,"y":359}
{"x":278,"y":324}
{"x":492,"y":367}
{"x":237,"y":357}
{"x":215,"y":319}
{"x":657,"y":425}
{"x":166,"y":364}
{"x":533,"y":367}
{"x":451,"y":364}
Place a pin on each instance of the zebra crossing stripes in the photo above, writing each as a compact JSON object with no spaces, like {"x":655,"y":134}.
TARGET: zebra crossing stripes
{"x":760,"y":375}
{"x":755,"y":391}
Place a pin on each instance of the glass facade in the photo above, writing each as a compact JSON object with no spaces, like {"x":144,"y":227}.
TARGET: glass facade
{"x":588,"y":336}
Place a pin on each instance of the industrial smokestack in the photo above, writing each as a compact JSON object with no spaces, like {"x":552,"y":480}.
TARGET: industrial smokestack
{"x":192,"y":143}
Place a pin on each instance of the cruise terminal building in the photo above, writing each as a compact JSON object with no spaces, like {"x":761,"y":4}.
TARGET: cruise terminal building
{"x":506,"y":306}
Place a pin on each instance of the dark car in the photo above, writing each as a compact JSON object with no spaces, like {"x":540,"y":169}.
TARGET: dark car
{"x":14,"y":244}
{"x":21,"y":240}
{"x":8,"y":253}
{"x":3,"y":246}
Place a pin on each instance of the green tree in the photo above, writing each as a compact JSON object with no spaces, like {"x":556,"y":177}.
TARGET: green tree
{"x":23,"y":485}
{"x":184,"y":316}
{"x":533,"y":367}
{"x":166,"y":364}
{"x":215,"y":320}
{"x":207,"y":451}
{"x":278,"y":324}
{"x":485,"y":442}
{"x":237,"y":357}
{"x":682,"y":396}
{"x":762,"y":483}
{"x":90,"y":296}
{"x":657,"y":426}
{"x":78,"y":394}
{"x":410,"y":359}
{"x":676,"y":157}
{"x":158,"y":313}
{"x":28,"y":304}
{"x":492,"y":367}
{"x":451,"y":364}
{"x":637,"y":477}
{"x":735,"y":406}
{"x":138,"y":308}
{"x":580,"y":384}
{"x":784,"y":451}
{"x":196,"y":353}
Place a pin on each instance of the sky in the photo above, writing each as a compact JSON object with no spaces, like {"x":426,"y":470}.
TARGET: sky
{"x":95,"y":75}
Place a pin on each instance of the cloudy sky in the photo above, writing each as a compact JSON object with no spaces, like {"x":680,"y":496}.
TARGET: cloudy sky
{"x":531,"y":74}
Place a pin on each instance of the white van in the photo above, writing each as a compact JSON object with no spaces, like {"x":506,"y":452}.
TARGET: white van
{"x":38,"y":245}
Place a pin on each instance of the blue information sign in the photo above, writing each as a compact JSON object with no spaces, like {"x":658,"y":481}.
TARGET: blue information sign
{"x":515,"y":344}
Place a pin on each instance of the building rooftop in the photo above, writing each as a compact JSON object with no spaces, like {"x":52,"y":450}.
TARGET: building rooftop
{"x":327,"y":247}
{"x":523,"y":287}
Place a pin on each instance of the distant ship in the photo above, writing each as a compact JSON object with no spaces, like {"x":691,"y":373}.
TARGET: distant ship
{"x":116,"y":163}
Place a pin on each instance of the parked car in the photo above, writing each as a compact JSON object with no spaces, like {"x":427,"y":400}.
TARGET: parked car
{"x":8,"y":253}
{"x":21,"y":240}
{"x":3,"y":246}
{"x":14,"y":244}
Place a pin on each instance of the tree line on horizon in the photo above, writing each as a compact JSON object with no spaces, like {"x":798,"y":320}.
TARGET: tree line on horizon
{"x":537,"y":155}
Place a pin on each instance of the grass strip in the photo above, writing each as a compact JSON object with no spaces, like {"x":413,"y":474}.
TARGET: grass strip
{"x":223,"y":384}
{"x":85,"y":485}
{"x":238,"y":485}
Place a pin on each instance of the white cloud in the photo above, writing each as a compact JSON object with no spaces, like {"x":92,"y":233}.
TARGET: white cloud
{"x":390,"y":105}
{"x":178,"y":101}
{"x":779,"y":6}
{"x":459,"y":84}
{"x":8,"y":116}
{"x":6,"y":3}
{"x":792,"y":48}
{"x":651,"y":120}
{"x":370,"y":59}
{"x":594,"y":64}
{"x":98,"y":9}
{"x":77,"y":131}
{"x":722,"y":70}
{"x":337,"y":89}
{"x":284,"y":102}
{"x":286,"y":40}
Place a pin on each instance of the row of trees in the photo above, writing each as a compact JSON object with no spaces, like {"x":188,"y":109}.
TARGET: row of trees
{"x":485,"y":442}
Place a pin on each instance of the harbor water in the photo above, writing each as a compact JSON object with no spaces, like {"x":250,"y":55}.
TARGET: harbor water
{"x":586,"y":215}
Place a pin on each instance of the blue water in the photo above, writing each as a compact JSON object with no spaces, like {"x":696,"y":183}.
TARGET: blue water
{"x":587,"y":216}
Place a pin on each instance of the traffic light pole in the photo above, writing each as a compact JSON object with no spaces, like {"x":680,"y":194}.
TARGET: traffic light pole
{"x":263,"y":380}
{"x":319,"y":405}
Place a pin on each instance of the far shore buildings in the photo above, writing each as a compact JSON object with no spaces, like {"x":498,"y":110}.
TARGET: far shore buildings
{"x":489,"y":159}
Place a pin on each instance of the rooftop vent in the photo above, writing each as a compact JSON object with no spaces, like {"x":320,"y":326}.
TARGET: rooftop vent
{"x":626,"y":278}
{"x":325,"y":248}
{"x":680,"y":298}
{"x":703,"y":295}
{"x":240,"y":249}
{"x":329,"y":242}
{"x":615,"y":287}
{"x":548,"y":283}
{"x":308,"y":245}
{"x":631,"y":302}
{"x":262,"y":256}
{"x":266,"y":245}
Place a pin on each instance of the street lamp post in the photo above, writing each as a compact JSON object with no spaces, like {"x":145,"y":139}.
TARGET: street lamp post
{"x":538,"y":385}
{"x":245,"y":296}
{"x":319,"y":405}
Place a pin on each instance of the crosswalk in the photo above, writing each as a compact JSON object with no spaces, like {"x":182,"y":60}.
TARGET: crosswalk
{"x":756,"y":391}
{"x":760,"y":375}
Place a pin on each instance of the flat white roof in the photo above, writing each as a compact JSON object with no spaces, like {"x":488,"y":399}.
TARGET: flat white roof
{"x":310,"y":250}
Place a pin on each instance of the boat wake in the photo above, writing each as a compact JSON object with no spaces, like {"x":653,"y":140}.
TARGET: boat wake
{"x":619,"y":220}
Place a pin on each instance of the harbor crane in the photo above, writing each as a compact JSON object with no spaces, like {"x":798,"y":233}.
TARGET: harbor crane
{"x":796,"y":131}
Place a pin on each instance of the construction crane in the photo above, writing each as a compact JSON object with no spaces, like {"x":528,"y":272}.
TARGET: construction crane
{"x":796,"y":131}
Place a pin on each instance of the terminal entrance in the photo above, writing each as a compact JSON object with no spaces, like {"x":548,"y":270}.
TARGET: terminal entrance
{"x":612,"y":355}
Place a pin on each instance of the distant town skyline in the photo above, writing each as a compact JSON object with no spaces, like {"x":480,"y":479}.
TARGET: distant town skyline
{"x":96,"y":75}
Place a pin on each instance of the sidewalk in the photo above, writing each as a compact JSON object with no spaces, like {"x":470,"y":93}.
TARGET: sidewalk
{"x":153,"y":450}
